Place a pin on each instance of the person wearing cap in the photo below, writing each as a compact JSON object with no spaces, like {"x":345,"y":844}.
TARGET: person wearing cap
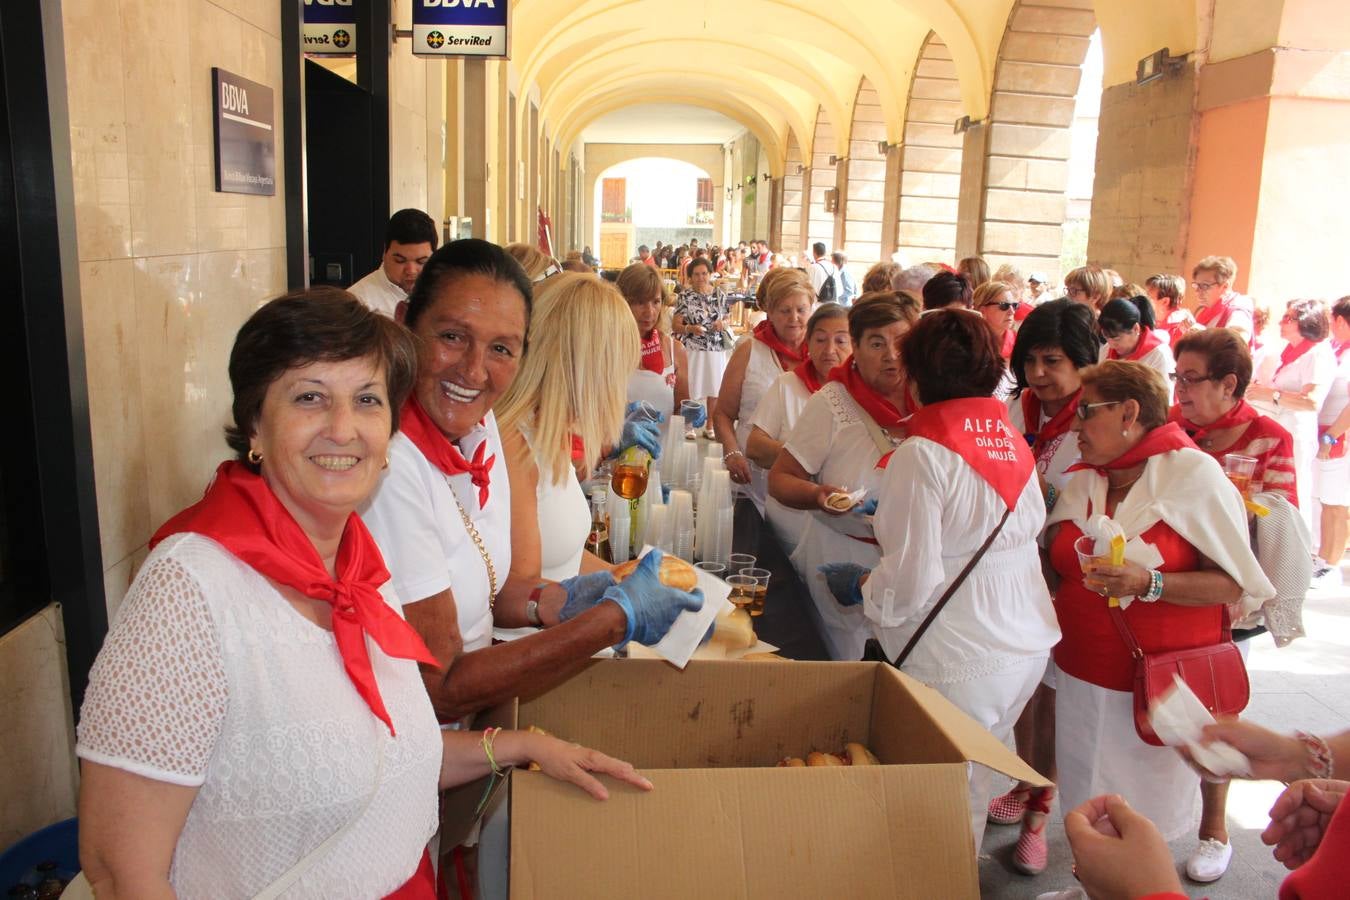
{"x":1035,"y":286}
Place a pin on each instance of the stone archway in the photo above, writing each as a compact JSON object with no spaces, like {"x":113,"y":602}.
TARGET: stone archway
{"x":789,"y":238}
{"x":821,"y":224}
{"x":865,"y":200}
{"x":600,"y":158}
{"x":1015,"y":167}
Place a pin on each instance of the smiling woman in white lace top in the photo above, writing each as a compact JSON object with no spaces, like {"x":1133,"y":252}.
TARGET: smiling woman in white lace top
{"x":256,"y":723}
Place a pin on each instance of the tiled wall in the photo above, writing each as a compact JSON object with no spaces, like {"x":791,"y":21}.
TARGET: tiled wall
{"x":169,"y":268}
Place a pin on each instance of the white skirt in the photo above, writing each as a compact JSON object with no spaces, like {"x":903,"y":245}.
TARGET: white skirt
{"x":844,"y":629}
{"x":1098,"y":752}
{"x":705,"y":372}
{"x":1333,"y":481}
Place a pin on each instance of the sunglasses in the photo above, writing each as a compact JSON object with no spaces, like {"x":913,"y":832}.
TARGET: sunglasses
{"x":1190,"y":380}
{"x":1005,"y":307}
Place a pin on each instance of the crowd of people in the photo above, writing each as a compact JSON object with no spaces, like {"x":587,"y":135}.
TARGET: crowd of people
{"x":289,"y":681}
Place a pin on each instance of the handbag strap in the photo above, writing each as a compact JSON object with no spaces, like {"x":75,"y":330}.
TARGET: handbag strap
{"x":951,"y":589}
{"x":288,"y":878}
{"x":883,"y":443}
{"x":1132,"y":643}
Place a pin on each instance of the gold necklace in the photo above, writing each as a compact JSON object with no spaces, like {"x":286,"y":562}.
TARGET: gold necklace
{"x":1120,"y":487}
{"x":482,"y":547}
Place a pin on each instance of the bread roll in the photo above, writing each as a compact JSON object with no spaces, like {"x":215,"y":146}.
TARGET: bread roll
{"x":840,"y":501}
{"x":791,"y":762}
{"x":734,"y":630}
{"x":675,"y":572}
{"x":858,"y":755}
{"x":823,"y":759}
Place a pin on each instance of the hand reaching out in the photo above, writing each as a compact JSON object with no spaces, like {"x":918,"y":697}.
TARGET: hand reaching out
{"x":1118,"y":853}
{"x":574,"y":763}
{"x":1299,"y":818}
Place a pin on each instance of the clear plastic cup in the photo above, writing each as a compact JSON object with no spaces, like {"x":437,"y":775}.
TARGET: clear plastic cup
{"x":738,"y":562}
{"x":761,"y":577}
{"x":1088,"y":558}
{"x":713,"y":568}
{"x":1240,"y":470}
{"x":743,"y":589}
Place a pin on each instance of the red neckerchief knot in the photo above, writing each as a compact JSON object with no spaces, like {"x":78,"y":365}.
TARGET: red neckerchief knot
{"x":882,"y":410}
{"x":441,"y":452}
{"x":1241,"y":413}
{"x":806,"y":371}
{"x":765,"y":334}
{"x":240,"y":512}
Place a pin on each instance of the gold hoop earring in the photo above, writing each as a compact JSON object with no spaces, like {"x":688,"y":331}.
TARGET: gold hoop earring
{"x":386,"y":462}
{"x":254,"y":456}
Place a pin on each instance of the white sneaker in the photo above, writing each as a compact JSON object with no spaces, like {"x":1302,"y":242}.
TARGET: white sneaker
{"x":1327,"y":577}
{"x":1209,"y":861}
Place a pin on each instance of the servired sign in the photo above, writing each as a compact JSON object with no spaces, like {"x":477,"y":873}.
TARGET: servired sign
{"x":330,"y":28}
{"x":460,"y":28}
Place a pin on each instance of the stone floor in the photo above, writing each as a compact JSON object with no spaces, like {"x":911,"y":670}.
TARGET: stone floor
{"x":1305,"y":686}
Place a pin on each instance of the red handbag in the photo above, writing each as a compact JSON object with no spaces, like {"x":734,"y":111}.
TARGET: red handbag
{"x":1216,"y":673}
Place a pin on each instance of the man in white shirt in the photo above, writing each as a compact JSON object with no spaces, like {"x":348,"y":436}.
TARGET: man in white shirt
{"x":821,"y":269}
{"x":409,"y":241}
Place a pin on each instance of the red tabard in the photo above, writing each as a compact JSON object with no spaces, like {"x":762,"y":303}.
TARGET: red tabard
{"x":653,"y":360}
{"x":1091,"y":648}
{"x":977,"y":430}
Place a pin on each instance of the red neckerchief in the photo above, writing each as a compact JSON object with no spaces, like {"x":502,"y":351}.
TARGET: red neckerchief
{"x":882,"y":411}
{"x":1292,"y":352}
{"x":1147,"y":341}
{"x":240,"y":512}
{"x":1162,"y":439}
{"x":1058,"y":424}
{"x":440,"y":452}
{"x":806,"y":371}
{"x":977,"y":429}
{"x":578,"y":448}
{"x":653,"y":360}
{"x":1215,"y":311}
{"x":1241,"y":413}
{"x":1009,"y":341}
{"x":765,"y":334}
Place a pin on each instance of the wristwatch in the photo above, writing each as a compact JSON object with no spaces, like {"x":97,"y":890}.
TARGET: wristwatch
{"x":1326,"y":439}
{"x":532,"y":605}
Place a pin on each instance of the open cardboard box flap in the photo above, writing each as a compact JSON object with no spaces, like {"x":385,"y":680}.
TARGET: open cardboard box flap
{"x":970,"y":739}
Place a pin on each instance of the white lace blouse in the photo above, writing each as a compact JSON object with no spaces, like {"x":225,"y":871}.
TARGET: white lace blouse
{"x":209,"y":678}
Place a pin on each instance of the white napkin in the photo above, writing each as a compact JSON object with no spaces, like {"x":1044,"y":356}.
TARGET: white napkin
{"x":1137,"y":551}
{"x":854,"y":497}
{"x":1178,"y":718}
{"x":682,"y":639}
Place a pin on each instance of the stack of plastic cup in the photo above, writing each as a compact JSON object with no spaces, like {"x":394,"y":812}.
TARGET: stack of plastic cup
{"x":715,"y":513}
{"x":681,"y":514}
{"x":674,"y":436}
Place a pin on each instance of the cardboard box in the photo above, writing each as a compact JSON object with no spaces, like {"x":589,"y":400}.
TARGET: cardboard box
{"x":723,"y":821}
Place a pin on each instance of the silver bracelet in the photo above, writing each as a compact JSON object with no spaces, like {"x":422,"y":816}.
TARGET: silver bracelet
{"x":1155,"y":587}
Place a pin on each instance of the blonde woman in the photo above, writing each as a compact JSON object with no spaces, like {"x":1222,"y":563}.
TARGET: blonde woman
{"x":570,"y":393}
{"x":537,"y":264}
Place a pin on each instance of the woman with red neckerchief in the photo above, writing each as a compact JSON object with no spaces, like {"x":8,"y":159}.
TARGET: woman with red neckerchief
{"x":841,"y":443}
{"x":1213,"y":372}
{"x":1290,"y":386}
{"x":1127,"y":325}
{"x":962,"y":476}
{"x":255,"y":721}
{"x":777,"y":345}
{"x":827,"y":345}
{"x":1333,"y":465}
{"x":1220,"y":305}
{"x":1187,"y":558}
{"x":442,"y":510}
{"x":662,"y":377}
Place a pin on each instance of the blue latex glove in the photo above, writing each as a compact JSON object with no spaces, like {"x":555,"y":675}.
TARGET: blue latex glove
{"x":699,"y":418}
{"x":866,"y":508}
{"x":844,"y":581}
{"x":641,"y":429}
{"x":583,"y":592}
{"x":651,"y":607}
{"x":708,"y":637}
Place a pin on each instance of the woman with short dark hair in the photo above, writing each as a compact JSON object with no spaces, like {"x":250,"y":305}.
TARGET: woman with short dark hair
{"x":1127,"y":325}
{"x":845,"y":432}
{"x":256,"y":720}
{"x":1291,"y":385}
{"x":963,"y":475}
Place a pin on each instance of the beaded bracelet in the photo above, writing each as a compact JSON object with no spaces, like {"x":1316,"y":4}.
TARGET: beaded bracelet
{"x":490,"y":735}
{"x":1155,"y":587}
{"x":729,"y":455}
{"x":1051,"y":495}
{"x":1320,"y":762}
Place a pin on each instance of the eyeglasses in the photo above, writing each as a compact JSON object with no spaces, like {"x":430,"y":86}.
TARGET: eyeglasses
{"x":1204,"y":285}
{"x":1084,"y":410}
{"x":1005,"y":307}
{"x":1070,"y":291}
{"x":1191,"y":381}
